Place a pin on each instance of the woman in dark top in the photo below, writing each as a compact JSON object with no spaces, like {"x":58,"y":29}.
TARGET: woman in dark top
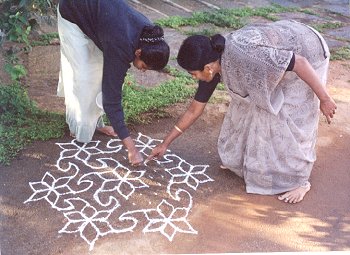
{"x":99,"y":40}
{"x":276,"y":76}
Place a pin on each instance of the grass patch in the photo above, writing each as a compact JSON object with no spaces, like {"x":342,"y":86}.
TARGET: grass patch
{"x":22,"y":122}
{"x":221,"y":86}
{"x":44,"y":39}
{"x":204,"y":31}
{"x":328,"y":25}
{"x":138,"y":100}
{"x":232,"y":18}
{"x":341,"y":53}
{"x":142,"y":104}
{"x":308,"y":11}
{"x":13,"y":67}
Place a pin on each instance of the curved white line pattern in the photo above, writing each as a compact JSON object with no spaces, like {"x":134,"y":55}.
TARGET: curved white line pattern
{"x":99,"y":195}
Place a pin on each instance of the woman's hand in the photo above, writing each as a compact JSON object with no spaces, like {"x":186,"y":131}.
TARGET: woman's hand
{"x":135,"y":157}
{"x":187,"y":119}
{"x":157,"y":152}
{"x":328,"y":108}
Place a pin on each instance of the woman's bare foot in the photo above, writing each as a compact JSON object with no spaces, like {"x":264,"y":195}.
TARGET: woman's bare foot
{"x":295,"y":195}
{"x":107,"y":130}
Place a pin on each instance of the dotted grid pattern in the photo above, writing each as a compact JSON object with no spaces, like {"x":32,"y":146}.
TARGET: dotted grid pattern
{"x":99,"y":194}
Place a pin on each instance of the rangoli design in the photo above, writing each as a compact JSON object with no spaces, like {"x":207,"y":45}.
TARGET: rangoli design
{"x":99,"y":193}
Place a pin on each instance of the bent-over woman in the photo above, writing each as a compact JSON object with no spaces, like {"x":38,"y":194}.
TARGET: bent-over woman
{"x":99,"y":40}
{"x":276,"y":76}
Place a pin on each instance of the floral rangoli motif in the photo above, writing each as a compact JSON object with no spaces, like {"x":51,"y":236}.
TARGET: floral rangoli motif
{"x":99,"y":194}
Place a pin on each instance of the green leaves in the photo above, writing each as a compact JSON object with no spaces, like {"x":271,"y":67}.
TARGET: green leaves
{"x":14,"y":100}
{"x":177,"y":21}
{"x":22,"y":122}
{"x":17,"y":27}
{"x":16,"y":72}
{"x":15,"y":16}
{"x":232,"y":18}
{"x":341,"y":53}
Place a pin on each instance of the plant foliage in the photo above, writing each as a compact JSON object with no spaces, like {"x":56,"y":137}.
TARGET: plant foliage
{"x":22,"y":122}
{"x":16,"y":17}
{"x":138,"y":100}
{"x":232,"y":18}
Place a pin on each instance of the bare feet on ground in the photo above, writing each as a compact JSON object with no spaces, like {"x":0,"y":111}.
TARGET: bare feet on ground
{"x":295,"y":195}
{"x":108,"y":130}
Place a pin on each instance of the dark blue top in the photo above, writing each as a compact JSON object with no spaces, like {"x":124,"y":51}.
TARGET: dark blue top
{"x":115,"y":28}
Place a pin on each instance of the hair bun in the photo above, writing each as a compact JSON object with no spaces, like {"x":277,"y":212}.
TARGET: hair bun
{"x":152,"y":31}
{"x":218,"y":43}
{"x":152,"y":34}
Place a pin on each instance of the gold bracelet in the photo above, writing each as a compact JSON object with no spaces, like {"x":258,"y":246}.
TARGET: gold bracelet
{"x":178,"y":129}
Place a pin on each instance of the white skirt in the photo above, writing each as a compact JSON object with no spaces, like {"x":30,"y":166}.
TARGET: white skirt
{"x":80,"y":80}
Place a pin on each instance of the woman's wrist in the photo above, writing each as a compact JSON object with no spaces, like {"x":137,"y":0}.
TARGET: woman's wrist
{"x":325,"y":97}
{"x":166,"y":142}
{"x":178,"y":129}
{"x":129,"y":144}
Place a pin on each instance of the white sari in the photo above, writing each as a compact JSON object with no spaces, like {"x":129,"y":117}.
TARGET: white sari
{"x":269,"y":132}
{"x":80,"y":80}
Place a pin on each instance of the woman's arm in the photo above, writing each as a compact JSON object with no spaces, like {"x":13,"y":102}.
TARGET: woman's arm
{"x":187,"y":119}
{"x":114,"y":72}
{"x":306,"y":72}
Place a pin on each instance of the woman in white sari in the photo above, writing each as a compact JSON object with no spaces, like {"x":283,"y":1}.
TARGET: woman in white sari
{"x":276,"y":76}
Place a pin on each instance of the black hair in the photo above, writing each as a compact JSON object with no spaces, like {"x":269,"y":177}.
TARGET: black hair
{"x":154,"y":50}
{"x":198,"y":50}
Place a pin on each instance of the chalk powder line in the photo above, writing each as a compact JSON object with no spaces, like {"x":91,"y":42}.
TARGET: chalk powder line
{"x":92,"y":188}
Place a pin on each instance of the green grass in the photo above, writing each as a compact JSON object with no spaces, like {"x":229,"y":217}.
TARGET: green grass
{"x":205,"y":31}
{"x":341,"y":53}
{"x":328,"y":25}
{"x":21,"y":122}
{"x":138,"y":100}
{"x":231,"y":18}
{"x":13,"y":67}
{"x":221,"y":86}
{"x":308,"y":11}
{"x":44,"y":39}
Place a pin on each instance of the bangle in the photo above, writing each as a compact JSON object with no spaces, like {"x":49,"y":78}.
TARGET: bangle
{"x":178,"y":129}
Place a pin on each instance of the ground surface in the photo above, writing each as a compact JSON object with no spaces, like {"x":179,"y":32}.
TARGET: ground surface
{"x":166,"y":208}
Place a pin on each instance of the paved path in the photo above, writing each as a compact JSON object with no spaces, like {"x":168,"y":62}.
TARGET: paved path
{"x":164,"y":8}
